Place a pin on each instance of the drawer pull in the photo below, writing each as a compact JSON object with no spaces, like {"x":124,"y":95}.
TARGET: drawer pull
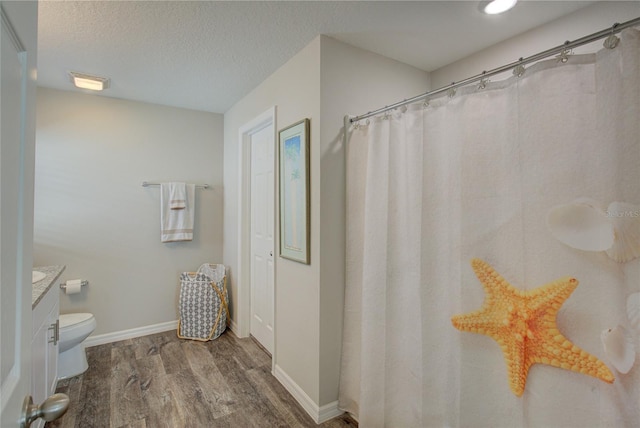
{"x":56,"y":332}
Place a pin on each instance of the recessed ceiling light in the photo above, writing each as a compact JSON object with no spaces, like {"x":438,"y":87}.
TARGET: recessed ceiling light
{"x":86,"y":81}
{"x":498,"y":6}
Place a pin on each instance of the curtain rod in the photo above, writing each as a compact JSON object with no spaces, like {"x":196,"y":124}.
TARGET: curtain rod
{"x":608,"y":32}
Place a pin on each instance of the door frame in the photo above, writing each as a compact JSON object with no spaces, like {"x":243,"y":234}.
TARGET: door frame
{"x":243,"y":277}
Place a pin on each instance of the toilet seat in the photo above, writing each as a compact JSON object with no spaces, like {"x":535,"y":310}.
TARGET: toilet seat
{"x":70,"y":320}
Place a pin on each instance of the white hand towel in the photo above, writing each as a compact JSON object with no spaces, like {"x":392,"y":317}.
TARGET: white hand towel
{"x":177,"y":196}
{"x":177,"y":224}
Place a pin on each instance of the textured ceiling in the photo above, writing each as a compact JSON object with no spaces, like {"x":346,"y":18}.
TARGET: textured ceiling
{"x":206,"y":55}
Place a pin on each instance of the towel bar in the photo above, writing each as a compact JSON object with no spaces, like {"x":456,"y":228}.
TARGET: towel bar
{"x":146,"y":184}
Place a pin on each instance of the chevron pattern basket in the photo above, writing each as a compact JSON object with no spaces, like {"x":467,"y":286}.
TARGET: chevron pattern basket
{"x":203,"y":303}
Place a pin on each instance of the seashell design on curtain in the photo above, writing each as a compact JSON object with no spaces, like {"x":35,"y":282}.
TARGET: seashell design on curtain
{"x":475,"y":175}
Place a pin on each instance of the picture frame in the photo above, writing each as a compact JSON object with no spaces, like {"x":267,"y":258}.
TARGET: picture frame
{"x":293,"y":176}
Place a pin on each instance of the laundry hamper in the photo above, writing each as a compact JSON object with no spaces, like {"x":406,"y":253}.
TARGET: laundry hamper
{"x":203,"y":303}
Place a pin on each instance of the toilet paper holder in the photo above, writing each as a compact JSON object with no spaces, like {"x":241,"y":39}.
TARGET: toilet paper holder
{"x":84,"y":282}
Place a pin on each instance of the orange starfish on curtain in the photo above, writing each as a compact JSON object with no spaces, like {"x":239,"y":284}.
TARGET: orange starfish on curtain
{"x":524,"y":325}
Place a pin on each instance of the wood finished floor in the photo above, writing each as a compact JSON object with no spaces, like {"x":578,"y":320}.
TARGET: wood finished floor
{"x":161,"y":381}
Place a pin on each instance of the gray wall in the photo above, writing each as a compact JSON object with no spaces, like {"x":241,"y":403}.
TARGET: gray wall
{"x":323,"y":82}
{"x":294,"y":88}
{"x":93,"y":215}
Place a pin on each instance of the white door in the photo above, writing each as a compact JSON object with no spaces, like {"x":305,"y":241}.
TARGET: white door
{"x":262,"y":230}
{"x":17,"y":140}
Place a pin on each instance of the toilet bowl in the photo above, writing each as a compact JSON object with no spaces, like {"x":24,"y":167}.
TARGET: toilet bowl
{"x":74,"y":329}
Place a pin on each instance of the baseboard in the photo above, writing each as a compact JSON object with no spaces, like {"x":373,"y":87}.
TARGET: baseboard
{"x":116,"y":336}
{"x":317,"y":413}
{"x":328,"y":411}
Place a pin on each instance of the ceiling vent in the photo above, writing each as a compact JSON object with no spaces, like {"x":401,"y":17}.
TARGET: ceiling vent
{"x":86,"y":81}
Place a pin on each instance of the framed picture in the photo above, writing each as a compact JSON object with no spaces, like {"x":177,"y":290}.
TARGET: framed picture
{"x":293,"y":149}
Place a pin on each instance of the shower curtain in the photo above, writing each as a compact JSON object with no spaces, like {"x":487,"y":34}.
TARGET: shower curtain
{"x":474,"y":175}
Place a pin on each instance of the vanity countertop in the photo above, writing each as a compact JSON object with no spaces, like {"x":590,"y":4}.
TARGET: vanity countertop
{"x":40,"y":288}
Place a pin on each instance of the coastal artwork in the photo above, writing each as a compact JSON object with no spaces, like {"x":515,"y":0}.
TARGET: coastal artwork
{"x":294,"y":197}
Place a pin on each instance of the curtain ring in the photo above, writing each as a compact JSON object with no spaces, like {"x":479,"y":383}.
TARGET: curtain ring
{"x":483,"y":81}
{"x":563,"y":57}
{"x":452,"y":91}
{"x":612,"y":41}
{"x":519,"y":70}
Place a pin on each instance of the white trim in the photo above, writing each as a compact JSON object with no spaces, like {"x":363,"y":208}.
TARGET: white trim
{"x":329,"y":411}
{"x":233,"y":327}
{"x":243,"y":281}
{"x":318,"y":414}
{"x":243,"y":285}
{"x":11,"y":31}
{"x":116,"y":336}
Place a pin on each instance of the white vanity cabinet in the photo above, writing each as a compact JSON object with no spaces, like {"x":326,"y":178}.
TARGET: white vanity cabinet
{"x":44,"y":347}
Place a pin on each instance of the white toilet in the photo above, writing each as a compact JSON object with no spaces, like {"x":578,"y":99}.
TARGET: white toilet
{"x":74,"y":329}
